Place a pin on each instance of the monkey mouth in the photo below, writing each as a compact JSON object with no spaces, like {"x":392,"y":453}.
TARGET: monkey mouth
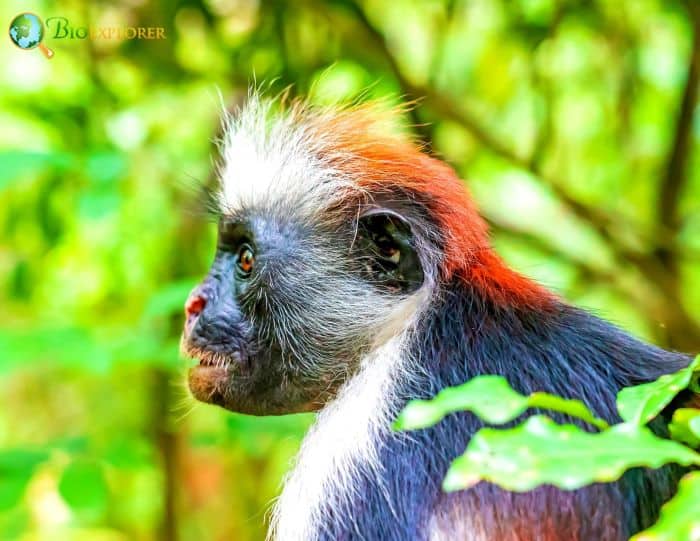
{"x":218,"y":360}
{"x":210,"y":380}
{"x":215,"y":359}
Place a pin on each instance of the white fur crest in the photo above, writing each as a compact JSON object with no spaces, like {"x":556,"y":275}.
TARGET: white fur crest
{"x":278,"y":158}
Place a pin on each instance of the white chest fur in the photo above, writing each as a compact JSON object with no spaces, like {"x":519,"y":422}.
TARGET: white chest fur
{"x":342,"y":444}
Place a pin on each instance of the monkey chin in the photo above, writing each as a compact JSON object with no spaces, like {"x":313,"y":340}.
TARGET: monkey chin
{"x":208,"y":383}
{"x":246,"y":386}
{"x":222,"y":386}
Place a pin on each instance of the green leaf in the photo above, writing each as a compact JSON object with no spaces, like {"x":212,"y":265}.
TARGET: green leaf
{"x":680,"y":517}
{"x":490,"y":397}
{"x":541,"y":451}
{"x":572,"y":407}
{"x":694,"y":425}
{"x":695,"y":382}
{"x":641,"y":403}
{"x":685,"y":426}
{"x":83,"y":486}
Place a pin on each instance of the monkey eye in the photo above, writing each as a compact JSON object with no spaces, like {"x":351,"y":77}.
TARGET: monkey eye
{"x":246,"y":259}
{"x":387,"y":253}
{"x":388,"y":249}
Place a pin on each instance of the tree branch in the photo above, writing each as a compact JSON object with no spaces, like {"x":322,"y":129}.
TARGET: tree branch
{"x":602,"y":222}
{"x":639,"y":298}
{"x":675,"y":179}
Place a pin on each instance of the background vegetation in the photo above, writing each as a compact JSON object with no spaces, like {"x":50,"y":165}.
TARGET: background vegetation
{"x":574,"y":122}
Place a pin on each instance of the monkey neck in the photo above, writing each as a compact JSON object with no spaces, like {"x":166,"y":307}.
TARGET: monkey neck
{"x":341,"y":451}
{"x":354,"y":474}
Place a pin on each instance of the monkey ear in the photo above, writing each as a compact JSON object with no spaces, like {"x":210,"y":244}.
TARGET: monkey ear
{"x":389,"y":250}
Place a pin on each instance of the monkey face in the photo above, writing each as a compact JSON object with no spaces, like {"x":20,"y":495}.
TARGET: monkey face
{"x":288,"y":309}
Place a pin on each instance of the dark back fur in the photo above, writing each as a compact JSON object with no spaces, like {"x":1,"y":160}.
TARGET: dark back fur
{"x":565,"y":351}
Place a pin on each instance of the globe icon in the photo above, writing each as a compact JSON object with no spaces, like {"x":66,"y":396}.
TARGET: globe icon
{"x":27,"y":31}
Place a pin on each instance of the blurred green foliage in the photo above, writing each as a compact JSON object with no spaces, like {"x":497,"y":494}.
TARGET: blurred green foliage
{"x":573,"y":120}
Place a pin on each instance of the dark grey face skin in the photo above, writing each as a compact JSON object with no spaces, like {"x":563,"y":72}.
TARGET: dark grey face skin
{"x":287,"y":310}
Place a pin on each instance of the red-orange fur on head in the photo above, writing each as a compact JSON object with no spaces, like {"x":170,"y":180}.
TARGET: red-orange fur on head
{"x":380,"y":161}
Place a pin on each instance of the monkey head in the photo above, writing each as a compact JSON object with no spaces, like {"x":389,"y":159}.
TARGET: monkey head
{"x":312,"y":269}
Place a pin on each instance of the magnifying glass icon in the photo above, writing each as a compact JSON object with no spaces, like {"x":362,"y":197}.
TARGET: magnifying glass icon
{"x":27,"y":31}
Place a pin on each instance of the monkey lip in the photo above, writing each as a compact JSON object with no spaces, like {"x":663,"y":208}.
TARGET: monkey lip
{"x":214,"y":359}
{"x":209,"y":380}
{"x":218,"y":360}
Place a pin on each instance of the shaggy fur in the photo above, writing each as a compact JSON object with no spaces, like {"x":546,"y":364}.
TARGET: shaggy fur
{"x":319,"y":169}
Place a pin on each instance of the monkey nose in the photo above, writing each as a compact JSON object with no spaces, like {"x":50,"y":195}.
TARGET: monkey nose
{"x":193,"y":307}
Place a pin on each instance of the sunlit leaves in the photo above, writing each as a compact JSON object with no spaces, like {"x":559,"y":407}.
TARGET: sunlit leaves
{"x":492,"y":399}
{"x":540,"y":451}
{"x":640,"y":404}
{"x":680,"y":517}
{"x":572,"y":407}
{"x":685,"y":426}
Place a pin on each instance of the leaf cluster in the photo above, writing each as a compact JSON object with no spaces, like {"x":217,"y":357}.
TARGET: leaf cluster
{"x":540,"y":451}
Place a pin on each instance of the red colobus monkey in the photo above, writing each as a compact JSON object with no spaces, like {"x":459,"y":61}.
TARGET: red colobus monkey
{"x":353,"y":273}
